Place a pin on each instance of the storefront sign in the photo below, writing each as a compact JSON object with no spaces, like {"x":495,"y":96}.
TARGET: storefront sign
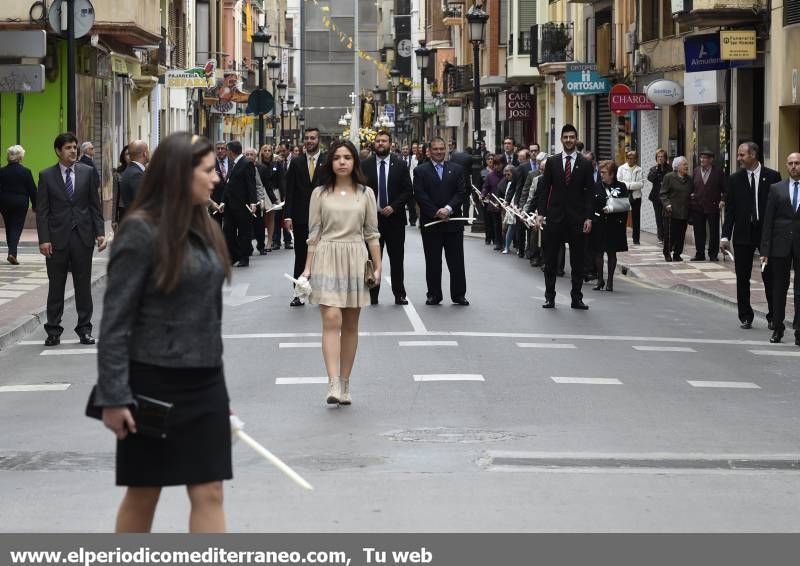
{"x":196,"y":77}
{"x":738,"y":45}
{"x":703,"y":53}
{"x":519,"y":105}
{"x":622,"y":100}
{"x":706,"y":87}
{"x":582,"y":79}
{"x":664,"y":92}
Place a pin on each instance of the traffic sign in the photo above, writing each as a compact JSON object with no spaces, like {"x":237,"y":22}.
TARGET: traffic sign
{"x":621,"y":100}
{"x":260,"y":101}
{"x":21,"y":78}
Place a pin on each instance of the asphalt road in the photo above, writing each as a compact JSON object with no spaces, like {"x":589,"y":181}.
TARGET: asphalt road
{"x":652,"y":411}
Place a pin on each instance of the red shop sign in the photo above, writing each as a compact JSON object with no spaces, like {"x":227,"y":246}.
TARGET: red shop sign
{"x":621,"y":100}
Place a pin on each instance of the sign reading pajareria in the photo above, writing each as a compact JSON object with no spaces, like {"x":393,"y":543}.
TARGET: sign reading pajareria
{"x":196,"y":77}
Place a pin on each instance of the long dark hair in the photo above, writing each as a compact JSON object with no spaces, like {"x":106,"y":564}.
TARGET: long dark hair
{"x":123,"y":163}
{"x":165,"y":200}
{"x":328,"y":177}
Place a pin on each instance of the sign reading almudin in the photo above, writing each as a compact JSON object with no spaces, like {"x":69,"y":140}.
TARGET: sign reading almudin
{"x":519,"y":106}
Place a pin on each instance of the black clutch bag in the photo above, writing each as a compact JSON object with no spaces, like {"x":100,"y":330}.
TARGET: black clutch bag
{"x":151,"y":415}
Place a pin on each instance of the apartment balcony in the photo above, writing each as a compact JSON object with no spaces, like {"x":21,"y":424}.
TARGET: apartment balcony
{"x":453,"y":14}
{"x":457,"y":79}
{"x":518,"y":59}
{"x":555,"y":47}
{"x":719,"y":13}
{"x":130,"y":23}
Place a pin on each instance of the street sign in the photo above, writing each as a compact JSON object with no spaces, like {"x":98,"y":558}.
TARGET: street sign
{"x":582,"y":79}
{"x":739,"y":45}
{"x":260,"y":101}
{"x":622,"y":100}
{"x":27,"y":43}
{"x":21,"y":78}
{"x":703,"y":53}
{"x":84,"y":17}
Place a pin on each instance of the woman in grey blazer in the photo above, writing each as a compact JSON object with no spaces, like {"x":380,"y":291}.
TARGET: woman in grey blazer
{"x":162,"y":339}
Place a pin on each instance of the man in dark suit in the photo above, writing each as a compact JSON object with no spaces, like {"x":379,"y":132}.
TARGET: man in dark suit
{"x":132,"y":177}
{"x":780,"y":245}
{"x":240,"y":204}
{"x":746,"y":199}
{"x":87,"y":158}
{"x":301,"y":178}
{"x":439,"y":187}
{"x":565,"y":205}
{"x":707,"y":200}
{"x":69,"y":222}
{"x":216,"y":206}
{"x":389,"y":178}
{"x":509,"y":152}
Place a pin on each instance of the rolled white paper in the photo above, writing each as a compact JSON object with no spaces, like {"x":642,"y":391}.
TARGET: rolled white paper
{"x":467,"y":220}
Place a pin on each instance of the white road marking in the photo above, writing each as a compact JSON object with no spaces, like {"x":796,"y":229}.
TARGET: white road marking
{"x":553,"y":345}
{"x":448,"y":377}
{"x":17,"y":287}
{"x":683,"y":271}
{"x":587,"y":380}
{"x":300,"y":345}
{"x":41,"y":342}
{"x":414,"y":343}
{"x":300,"y":380}
{"x":788,"y":353}
{"x":24,"y":388}
{"x":237,"y":295}
{"x":664,"y":349}
{"x":11,"y":294}
{"x":724,"y":384}
{"x":411,"y":313}
{"x":4,"y":301}
{"x":69,"y":352}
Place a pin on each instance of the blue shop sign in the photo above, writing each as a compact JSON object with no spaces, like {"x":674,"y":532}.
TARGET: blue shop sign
{"x":703,"y":53}
{"x":582,"y":79}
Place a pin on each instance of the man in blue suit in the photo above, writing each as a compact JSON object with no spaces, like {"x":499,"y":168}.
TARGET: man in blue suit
{"x":439,"y":188}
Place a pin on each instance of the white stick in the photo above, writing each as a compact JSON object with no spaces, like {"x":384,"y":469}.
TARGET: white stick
{"x":730,"y":255}
{"x":467,"y":220}
{"x":278,"y":206}
{"x":236,"y":426}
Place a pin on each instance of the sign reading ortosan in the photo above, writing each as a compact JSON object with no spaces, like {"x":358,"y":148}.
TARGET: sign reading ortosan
{"x":738,"y":45}
{"x":519,"y":105}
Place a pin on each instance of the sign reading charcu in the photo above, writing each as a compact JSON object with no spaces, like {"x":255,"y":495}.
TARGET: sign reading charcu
{"x":664,"y":92}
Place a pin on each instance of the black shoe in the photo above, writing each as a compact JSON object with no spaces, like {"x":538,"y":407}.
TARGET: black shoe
{"x":797,"y":339}
{"x":698,"y":257}
{"x":498,"y":248}
{"x":433,"y":302}
{"x":296,"y":302}
{"x":599,"y":286}
{"x":637,"y":243}
{"x":677,"y":258}
{"x":52,"y":341}
{"x":610,"y":287}
{"x":242,"y":263}
{"x":771,"y":325}
{"x":86,"y":339}
{"x":536,"y":263}
{"x":373,"y":301}
{"x":288,"y":247}
{"x":777,"y":336}
{"x":264,"y":252}
{"x":560,"y":273}
{"x":579,"y":305}
{"x":461,"y":301}
{"x":667,"y":257}
{"x":400,"y":301}
{"x":746,"y":325}
{"x":549,"y":304}
{"x":487,"y":243}
{"x":713,"y":258}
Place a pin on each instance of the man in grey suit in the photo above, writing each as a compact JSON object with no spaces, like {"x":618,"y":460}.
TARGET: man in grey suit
{"x":132,"y":177}
{"x":69,"y":222}
{"x":780,"y":245}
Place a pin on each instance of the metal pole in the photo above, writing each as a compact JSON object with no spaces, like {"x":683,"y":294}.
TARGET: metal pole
{"x":355,"y":124}
{"x":422,"y":103}
{"x":72,"y":112}
{"x":476,"y":102}
{"x":261,"y":80}
{"x":20,"y":105}
{"x":274,"y":118}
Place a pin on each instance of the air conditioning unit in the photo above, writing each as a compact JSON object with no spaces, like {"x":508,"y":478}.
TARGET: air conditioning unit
{"x":630,"y":42}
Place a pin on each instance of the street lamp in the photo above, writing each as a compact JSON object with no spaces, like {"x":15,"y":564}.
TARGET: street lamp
{"x":395,"y":80}
{"x":282,"y":86}
{"x":296,"y":120}
{"x":423,"y":54}
{"x":476,"y":18}
{"x":260,"y":41}
{"x":274,"y":71}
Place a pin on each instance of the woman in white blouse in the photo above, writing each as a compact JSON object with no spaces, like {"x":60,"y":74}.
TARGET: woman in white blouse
{"x":631,"y":174}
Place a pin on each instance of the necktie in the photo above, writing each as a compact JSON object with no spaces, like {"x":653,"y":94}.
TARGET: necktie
{"x":383,"y":197}
{"x":223,"y":165}
{"x":568,"y":170}
{"x":439,"y":170}
{"x":794,"y":198}
{"x":755,"y":194}
{"x":71,"y":189}
{"x":312,"y":165}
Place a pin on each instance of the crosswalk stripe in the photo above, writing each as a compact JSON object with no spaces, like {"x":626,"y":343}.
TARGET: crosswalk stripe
{"x":587,"y":380}
{"x":664,"y":349}
{"x":69,"y":352}
{"x":299,"y":380}
{"x":724,"y":384}
{"x":788,"y":353}
{"x":300,"y":345}
{"x":448,"y":377}
{"x":549,"y":345}
{"x":41,"y":387}
{"x":414,"y":343}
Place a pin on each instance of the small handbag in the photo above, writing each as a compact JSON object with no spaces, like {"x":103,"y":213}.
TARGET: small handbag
{"x":150,"y":415}
{"x":369,"y":275}
{"x":618,"y":204}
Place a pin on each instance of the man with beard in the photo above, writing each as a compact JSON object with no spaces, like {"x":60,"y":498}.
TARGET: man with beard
{"x":302,"y":176}
{"x":388,"y":176}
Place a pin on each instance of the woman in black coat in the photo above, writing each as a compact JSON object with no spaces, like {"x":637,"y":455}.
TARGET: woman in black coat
{"x":16,"y":190}
{"x":656,"y":176}
{"x":608,"y":235}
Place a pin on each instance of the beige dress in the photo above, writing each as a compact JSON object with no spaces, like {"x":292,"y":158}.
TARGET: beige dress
{"x":338,"y":227}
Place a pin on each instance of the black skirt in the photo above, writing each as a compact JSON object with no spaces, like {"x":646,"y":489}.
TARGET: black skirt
{"x":609,"y":233}
{"x":198,"y":445}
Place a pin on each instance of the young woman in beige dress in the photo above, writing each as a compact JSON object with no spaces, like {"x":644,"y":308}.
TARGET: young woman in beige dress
{"x":342,"y":216}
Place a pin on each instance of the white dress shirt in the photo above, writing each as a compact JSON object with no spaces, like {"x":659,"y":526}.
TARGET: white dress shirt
{"x":573,"y":157}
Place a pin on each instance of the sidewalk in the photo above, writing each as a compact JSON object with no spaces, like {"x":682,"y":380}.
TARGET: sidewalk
{"x":23,"y":289}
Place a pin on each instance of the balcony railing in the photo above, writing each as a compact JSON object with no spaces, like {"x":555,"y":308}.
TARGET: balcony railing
{"x":457,"y":79}
{"x":555,"y":43}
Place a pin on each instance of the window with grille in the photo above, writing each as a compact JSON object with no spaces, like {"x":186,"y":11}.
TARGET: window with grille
{"x":791,"y":12}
